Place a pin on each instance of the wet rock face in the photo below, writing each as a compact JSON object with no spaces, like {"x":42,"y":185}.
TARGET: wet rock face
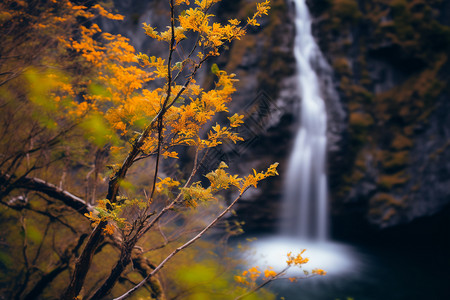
{"x":265,"y":66}
{"x":431,"y":153}
{"x":153,"y":12}
{"x":391,"y":66}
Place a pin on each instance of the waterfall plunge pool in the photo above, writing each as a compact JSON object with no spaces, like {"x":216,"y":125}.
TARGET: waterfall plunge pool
{"x":401,"y":269}
{"x":343,"y":263}
{"x":334,"y":258}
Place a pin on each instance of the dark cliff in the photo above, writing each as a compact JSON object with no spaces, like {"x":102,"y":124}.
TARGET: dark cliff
{"x":388,"y":127}
{"x":392,"y":73}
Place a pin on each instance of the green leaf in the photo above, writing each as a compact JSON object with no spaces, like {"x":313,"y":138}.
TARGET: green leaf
{"x":140,"y":123}
{"x":214,"y":68}
{"x":179,"y":65}
{"x":97,"y":130}
{"x":99,"y":90}
{"x":127,"y":185}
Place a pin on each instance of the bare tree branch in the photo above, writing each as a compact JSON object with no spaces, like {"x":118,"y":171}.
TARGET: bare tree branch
{"x":39,"y":185}
{"x":187,"y":244}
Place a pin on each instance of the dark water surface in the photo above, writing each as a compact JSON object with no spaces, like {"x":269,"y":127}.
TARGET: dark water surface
{"x":394,"y":270}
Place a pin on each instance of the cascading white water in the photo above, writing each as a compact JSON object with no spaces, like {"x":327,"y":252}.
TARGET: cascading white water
{"x":305,"y":204}
{"x":304,"y":222}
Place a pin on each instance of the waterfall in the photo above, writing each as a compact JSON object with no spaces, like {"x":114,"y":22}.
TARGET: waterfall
{"x":305,"y":202}
{"x":304,"y":220}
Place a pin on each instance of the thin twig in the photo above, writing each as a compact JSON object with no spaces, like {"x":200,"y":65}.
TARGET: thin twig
{"x":187,"y":244}
{"x":175,"y":201}
{"x":277,"y":276}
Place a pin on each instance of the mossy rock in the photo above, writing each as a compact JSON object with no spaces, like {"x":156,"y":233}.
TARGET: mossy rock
{"x":387,"y":182}
{"x":401,"y":142}
{"x":360,"y":161}
{"x":357,"y":175}
{"x":442,"y":150}
{"x":360,"y":94}
{"x":384,"y":206}
{"x":360,"y":119}
{"x":342,"y":66}
{"x":346,"y":10}
{"x":382,"y":214}
{"x":238,"y":50}
{"x":387,"y":199}
{"x":396,"y":160}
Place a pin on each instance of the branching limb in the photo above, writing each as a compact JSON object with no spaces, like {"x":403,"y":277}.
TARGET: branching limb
{"x":48,"y":277}
{"x":184,"y":246}
{"x":39,"y":185}
{"x":84,"y":262}
{"x":176,"y":200}
{"x":27,"y":270}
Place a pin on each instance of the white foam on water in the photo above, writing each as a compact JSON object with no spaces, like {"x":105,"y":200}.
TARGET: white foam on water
{"x":334,"y":258}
